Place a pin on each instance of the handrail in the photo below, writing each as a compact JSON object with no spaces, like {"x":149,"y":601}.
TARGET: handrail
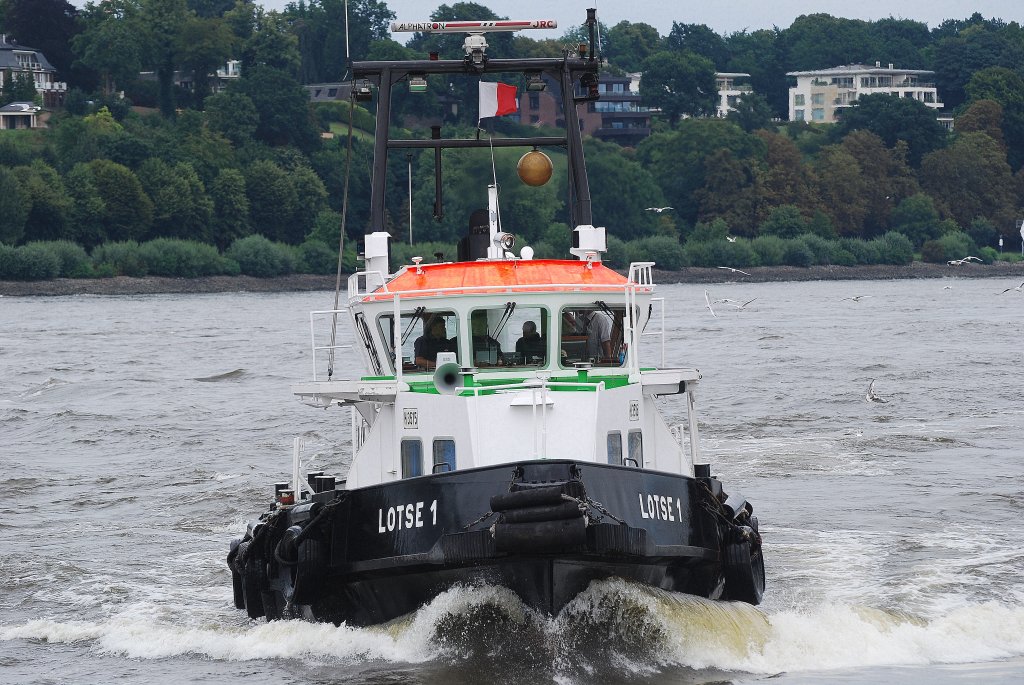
{"x":484,"y":289}
{"x":312,"y":333}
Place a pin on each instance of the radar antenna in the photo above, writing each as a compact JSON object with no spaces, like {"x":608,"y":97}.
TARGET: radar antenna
{"x":475,"y":44}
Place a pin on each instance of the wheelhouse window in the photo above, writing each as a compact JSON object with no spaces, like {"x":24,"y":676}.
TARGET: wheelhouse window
{"x":444,"y":455}
{"x":367,"y":340}
{"x":593,"y":333}
{"x":509,"y":336}
{"x":615,"y":447}
{"x":412,"y":457}
{"x":424,"y":334}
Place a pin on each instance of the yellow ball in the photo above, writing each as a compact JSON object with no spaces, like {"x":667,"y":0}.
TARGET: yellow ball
{"x":534,"y":168}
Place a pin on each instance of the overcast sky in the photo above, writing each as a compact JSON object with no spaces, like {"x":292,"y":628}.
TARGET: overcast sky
{"x":723,"y":16}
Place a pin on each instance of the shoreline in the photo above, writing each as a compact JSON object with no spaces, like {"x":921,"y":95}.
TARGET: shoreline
{"x":154,"y":285}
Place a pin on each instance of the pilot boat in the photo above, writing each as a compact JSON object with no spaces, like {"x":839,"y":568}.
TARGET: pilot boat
{"x":506,"y":430}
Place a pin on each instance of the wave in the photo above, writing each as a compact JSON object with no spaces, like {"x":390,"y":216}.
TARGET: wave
{"x":227,"y":376}
{"x":614,"y":627}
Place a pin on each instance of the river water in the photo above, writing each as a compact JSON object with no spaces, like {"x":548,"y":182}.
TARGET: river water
{"x":139,"y":434}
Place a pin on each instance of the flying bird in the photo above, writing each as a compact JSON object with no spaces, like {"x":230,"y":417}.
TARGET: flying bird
{"x":741,"y":305}
{"x":871,"y":396}
{"x":729,"y":268}
{"x":1019,"y":288}
{"x":855,"y":298}
{"x":708,"y":300}
{"x":659,"y":210}
{"x":730,"y":238}
{"x":965,"y":260}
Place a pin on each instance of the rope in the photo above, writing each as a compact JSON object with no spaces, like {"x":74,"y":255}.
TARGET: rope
{"x":341,"y":233}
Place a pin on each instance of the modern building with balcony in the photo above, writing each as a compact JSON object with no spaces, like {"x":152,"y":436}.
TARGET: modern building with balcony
{"x":821,"y":96}
{"x":731,"y":90}
{"x":618,"y":116}
{"x":16,"y":60}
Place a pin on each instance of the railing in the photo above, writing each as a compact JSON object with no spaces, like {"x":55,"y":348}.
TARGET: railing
{"x":333,"y":334}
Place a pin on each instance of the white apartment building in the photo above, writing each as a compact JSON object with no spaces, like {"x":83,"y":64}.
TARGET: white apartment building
{"x":730,"y":91}
{"x":820,"y":96}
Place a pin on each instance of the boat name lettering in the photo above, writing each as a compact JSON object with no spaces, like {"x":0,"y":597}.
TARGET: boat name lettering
{"x":661,"y":507}
{"x":405,"y":516}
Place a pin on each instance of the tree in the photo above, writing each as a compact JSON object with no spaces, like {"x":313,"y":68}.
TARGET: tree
{"x":272,"y":199}
{"x":271,"y":44}
{"x":679,"y":83}
{"x":50,"y":205}
{"x":627,"y":45}
{"x":230,"y":219}
{"x":784,"y":221}
{"x":842,"y":189}
{"x":785,"y":179}
{"x":1007,"y":88}
{"x":285,"y":117}
{"x":164,"y":21}
{"x":233,"y":115}
{"x":181,"y":208}
{"x":984,"y":116}
{"x":15,"y":205}
{"x":972,"y":179}
{"x":893,"y":119}
{"x":20,"y":88}
{"x":110,"y":42}
{"x":87,"y":207}
{"x":128,"y":211}
{"x":311,"y":199}
{"x":203,"y":45}
{"x":886,"y":177}
{"x":759,"y":54}
{"x":731,"y":192}
{"x":820,"y":41}
{"x":700,"y":40}
{"x":917,"y":218}
{"x":751,"y":112}
{"x":48,"y":26}
{"x":610,"y":170}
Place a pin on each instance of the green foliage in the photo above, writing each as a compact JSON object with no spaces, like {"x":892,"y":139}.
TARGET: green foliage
{"x":933,"y":252}
{"x":821,"y":249}
{"x":617,"y":255}
{"x":402,"y":253}
{"x":862,"y":251}
{"x":314,"y":257}
{"x":127,"y":210}
{"x":119,"y":258}
{"x":182,"y":258}
{"x":784,"y":221}
{"x":257,"y":256}
{"x":715,"y":230}
{"x":916,"y":218}
{"x":15,"y":205}
{"x":894,"y":248}
{"x":983,"y":232}
{"x":770,"y":250}
{"x":896,"y":118}
{"x":797,"y":253}
{"x":665,"y":252}
{"x":679,"y":83}
{"x":72,"y":259}
{"x":31,"y":262}
{"x":956,"y":245}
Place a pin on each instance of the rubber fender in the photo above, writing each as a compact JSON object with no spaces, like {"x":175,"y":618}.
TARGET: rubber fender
{"x":312,"y":557}
{"x":743,"y":568}
{"x":251,"y":595}
{"x":542,"y":536}
{"x":534,"y":497}
{"x":555,"y":512}
{"x":236,"y":577}
{"x":287,"y":550}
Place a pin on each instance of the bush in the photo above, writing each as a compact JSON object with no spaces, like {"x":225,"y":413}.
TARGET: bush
{"x":821,"y":248}
{"x":784,"y":221}
{"x":257,"y":256}
{"x":120,"y":258}
{"x":933,"y":252}
{"x":862,"y":251}
{"x":797,"y":253}
{"x":770,"y":249}
{"x":983,"y":232}
{"x":32,"y":262}
{"x":706,"y":232}
{"x":617,"y":255}
{"x":894,"y":248}
{"x":181,"y":258}
{"x":316,"y":258}
{"x":665,"y":252}
{"x":73,"y":259}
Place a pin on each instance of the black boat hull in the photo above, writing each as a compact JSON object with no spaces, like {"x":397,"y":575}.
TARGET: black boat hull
{"x":544,"y":529}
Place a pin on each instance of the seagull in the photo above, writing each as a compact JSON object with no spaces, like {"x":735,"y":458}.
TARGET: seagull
{"x":729,"y":268}
{"x":1018,"y":289}
{"x":871,"y":396}
{"x":742,"y":304}
{"x":730,"y":238}
{"x":659,"y":210}
{"x":708,"y":300}
{"x":855,"y":298}
{"x":965,"y":260}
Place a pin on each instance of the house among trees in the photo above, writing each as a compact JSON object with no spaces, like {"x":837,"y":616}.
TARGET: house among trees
{"x":20,"y":63}
{"x":730,"y":91}
{"x":618,"y":116}
{"x":821,"y":96}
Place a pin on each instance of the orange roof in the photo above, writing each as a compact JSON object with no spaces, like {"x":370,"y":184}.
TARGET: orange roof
{"x":534,"y":275}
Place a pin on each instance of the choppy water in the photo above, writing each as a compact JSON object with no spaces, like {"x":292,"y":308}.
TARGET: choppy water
{"x":138,"y":434}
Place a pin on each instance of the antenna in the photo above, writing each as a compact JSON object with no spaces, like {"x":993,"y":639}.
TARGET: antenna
{"x":475,"y":44}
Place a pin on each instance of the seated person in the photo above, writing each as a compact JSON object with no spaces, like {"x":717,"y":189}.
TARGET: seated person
{"x":486,"y":350}
{"x":430,"y":343}
{"x":531,"y":345}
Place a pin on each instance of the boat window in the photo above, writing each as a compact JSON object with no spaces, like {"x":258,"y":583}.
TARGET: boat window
{"x":371,"y":349}
{"x":615,"y":447}
{"x":412,"y":457}
{"x":510,"y":335}
{"x":593,"y":333}
{"x":444,"y":455}
{"x":424,"y":334}
{"x":636,"y":448}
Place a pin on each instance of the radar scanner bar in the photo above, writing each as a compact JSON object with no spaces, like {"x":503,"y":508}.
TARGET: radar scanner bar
{"x":471,"y":26}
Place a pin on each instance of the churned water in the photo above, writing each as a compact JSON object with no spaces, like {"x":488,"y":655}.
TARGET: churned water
{"x":139,"y":434}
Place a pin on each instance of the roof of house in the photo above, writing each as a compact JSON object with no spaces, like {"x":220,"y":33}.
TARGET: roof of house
{"x":20,"y":107}
{"x":848,"y":69}
{"x":482,"y":277}
{"x":9,"y":47}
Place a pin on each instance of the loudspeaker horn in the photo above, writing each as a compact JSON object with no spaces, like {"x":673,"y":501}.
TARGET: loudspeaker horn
{"x":448,"y":379}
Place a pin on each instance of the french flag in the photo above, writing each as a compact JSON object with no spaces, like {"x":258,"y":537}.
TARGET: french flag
{"x":497,"y":99}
